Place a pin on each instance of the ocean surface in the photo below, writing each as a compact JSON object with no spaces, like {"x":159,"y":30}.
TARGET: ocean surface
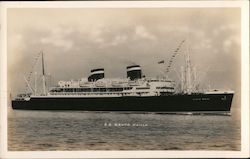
{"x":79,"y":130}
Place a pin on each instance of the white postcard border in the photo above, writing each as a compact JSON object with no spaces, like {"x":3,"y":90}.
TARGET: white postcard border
{"x":244,"y":5}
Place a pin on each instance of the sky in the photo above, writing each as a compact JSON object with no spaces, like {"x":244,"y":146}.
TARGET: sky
{"x":77,"y":40}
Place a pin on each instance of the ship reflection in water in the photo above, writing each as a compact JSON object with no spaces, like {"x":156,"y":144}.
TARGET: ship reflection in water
{"x":78,"y":130}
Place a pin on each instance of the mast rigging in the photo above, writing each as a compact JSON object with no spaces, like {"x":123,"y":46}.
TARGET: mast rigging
{"x":173,"y":56}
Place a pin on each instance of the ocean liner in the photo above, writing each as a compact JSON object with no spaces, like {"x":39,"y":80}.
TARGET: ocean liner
{"x":134,"y":93}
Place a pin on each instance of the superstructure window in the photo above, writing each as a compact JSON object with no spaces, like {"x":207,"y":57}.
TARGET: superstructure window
{"x":142,"y":88}
{"x":164,"y":88}
{"x":127,"y":88}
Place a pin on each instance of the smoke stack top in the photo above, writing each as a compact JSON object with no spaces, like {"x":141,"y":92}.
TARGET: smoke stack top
{"x":134,"y":72}
{"x":96,"y":74}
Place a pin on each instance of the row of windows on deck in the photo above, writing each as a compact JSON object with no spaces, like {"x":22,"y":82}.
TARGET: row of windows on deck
{"x":164,"y":88}
{"x":95,"y":93}
{"x":90,"y":89}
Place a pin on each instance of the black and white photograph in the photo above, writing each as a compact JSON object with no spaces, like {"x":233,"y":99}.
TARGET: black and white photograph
{"x":114,"y":77}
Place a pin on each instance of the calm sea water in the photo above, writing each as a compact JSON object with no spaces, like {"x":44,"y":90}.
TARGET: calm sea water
{"x":78,"y":130}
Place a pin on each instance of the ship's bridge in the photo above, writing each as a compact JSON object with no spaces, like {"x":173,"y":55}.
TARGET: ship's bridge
{"x":162,"y":85}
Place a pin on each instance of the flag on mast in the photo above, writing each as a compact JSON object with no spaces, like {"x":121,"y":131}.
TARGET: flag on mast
{"x":160,"y":62}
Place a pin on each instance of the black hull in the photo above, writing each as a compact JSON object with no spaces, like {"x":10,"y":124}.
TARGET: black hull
{"x":170,"y":103}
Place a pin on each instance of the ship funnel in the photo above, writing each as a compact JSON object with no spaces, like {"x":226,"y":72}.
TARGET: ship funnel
{"x":134,"y":72}
{"x":96,"y":74}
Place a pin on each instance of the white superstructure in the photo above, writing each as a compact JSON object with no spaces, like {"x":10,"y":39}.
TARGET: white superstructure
{"x":113,"y":87}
